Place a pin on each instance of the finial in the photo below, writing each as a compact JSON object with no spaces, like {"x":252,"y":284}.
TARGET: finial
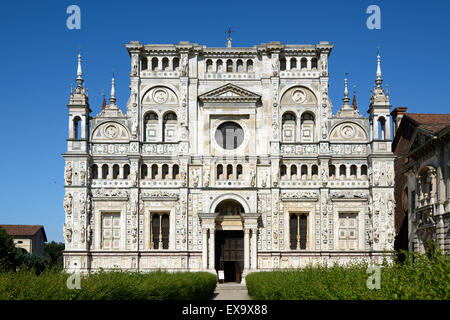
{"x":79,"y":75}
{"x":355,"y":106}
{"x":112,"y":99}
{"x":346,"y":99}
{"x":229,"y":31}
{"x":387,"y":90}
{"x":71,"y":89}
{"x":104,"y":100}
{"x":379,"y":80}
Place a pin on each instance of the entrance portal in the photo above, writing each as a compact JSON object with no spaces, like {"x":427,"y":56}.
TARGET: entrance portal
{"x":230,"y":254}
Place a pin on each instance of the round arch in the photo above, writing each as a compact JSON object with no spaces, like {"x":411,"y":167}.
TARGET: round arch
{"x":167,"y":86}
{"x":284,"y":90}
{"x":229,"y":196}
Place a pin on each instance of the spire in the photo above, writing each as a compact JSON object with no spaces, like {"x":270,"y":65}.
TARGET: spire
{"x":379,"y":80}
{"x":79,"y":75}
{"x":104,"y":100}
{"x":346,"y":99}
{"x":112,"y":99}
{"x":354,"y":99}
{"x":229,"y":31}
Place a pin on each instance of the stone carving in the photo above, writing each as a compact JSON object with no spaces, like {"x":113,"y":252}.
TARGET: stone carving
{"x":390,"y":207}
{"x":288,"y":195}
{"x":67,"y":231}
{"x":324,"y":65}
{"x":275,"y":66}
{"x":329,"y":207}
{"x":82,"y":205}
{"x":264,"y":181}
{"x":89,"y":234}
{"x":83,"y":234}
{"x":110,"y":193}
{"x":324,"y":98}
{"x":183,"y":177}
{"x":252,"y":178}
{"x":376,"y":175}
{"x":82,"y":176}
{"x":390,"y":176}
{"x":110,"y":148}
{"x":133,"y":176}
{"x":275,"y":179}
{"x":196,"y":178}
{"x":134,"y":127}
{"x":68,"y":204}
{"x":349,"y":195}
{"x":68,"y":173}
{"x":158,"y":148}
{"x":324,"y":130}
{"x":160,"y":194}
{"x":141,"y":206}
{"x":134,"y":65}
{"x":185,"y":67}
{"x":207,"y":176}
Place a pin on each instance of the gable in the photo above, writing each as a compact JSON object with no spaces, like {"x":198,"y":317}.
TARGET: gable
{"x":110,"y":131}
{"x":420,"y":137}
{"x":230,"y":93}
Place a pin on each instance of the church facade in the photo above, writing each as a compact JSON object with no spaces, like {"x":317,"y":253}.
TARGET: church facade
{"x":227,"y":159}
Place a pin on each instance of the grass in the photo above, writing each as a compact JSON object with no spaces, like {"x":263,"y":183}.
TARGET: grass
{"x":113,"y":285}
{"x":425,"y":279}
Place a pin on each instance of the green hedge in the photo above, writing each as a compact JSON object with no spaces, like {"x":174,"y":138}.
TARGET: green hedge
{"x":113,"y":285}
{"x":424,"y":279}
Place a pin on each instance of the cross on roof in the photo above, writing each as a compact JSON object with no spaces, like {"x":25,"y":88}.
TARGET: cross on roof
{"x":229,"y":31}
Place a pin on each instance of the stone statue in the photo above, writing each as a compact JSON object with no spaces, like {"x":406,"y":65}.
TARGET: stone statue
{"x":82,"y":176}
{"x":141,"y":206}
{"x":134,"y":127}
{"x":324,"y":66}
{"x":196,"y":178}
{"x":67,"y":230}
{"x":133,"y":177}
{"x":82,"y":205}
{"x":185,"y":66}
{"x":183,"y":177}
{"x":68,"y":204}
{"x":82,"y":234}
{"x":252,"y":178}
{"x":207,"y":177}
{"x":275,"y":66}
{"x":324,"y":130}
{"x":264,"y":181}
{"x":68,"y":173}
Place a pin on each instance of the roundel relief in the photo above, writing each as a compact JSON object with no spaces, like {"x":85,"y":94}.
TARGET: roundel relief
{"x":298,"y":96}
{"x":160,"y":96}
{"x":348,"y":131}
{"x":111,"y":131}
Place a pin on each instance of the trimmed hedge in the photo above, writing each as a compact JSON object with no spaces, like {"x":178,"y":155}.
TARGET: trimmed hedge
{"x":113,"y":285}
{"x":424,"y":279}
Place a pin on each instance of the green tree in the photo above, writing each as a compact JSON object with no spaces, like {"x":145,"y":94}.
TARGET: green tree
{"x":7,"y":251}
{"x":53,"y":254}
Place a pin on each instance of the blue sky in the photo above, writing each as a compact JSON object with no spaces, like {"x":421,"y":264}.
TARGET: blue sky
{"x":38,"y":64}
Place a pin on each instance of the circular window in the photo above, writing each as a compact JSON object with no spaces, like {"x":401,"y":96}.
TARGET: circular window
{"x":229,"y":135}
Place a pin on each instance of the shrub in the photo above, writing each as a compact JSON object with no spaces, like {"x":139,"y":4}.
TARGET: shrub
{"x":418,"y":277}
{"x":113,"y":285}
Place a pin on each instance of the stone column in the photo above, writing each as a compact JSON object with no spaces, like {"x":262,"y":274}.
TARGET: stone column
{"x":205,"y":249}
{"x":254,"y":249}
{"x":211,"y":249}
{"x":110,"y":172}
{"x":121,"y":172}
{"x":246,"y":250}
{"x":170,"y":173}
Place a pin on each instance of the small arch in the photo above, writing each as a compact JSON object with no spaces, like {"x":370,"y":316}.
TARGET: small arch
{"x":229,"y":196}
{"x":229,"y":65}
{"x":293,"y":172}
{"x":304,"y":172}
{"x":219,"y":64}
{"x":170,"y":122}
{"x":229,"y":172}
{"x":165,"y":64}
{"x":303,"y":63}
{"x":155,"y":171}
{"x":175,"y":172}
{"x":76,"y":128}
{"x":176,"y":63}
{"x":364,"y":172}
{"x":154,"y":63}
{"x":144,"y":171}
{"x":229,"y":208}
{"x":94,"y":170}
{"x":105,"y":171}
{"x":315,"y":172}
{"x":249,"y":65}
{"x":381,"y":128}
{"x":342,"y":172}
{"x":289,"y":126}
{"x":209,"y":65}
{"x":150,"y":126}
{"x":293,"y":64}
{"x":239,"y":172}
{"x":144,"y":63}
{"x":332,"y":172}
{"x":353,"y":172}
{"x":314,"y":63}
{"x":165,"y":172}
{"x":126,"y":171}
{"x":240,"y":65}
{"x":283,"y":172}
{"x":116,"y":171}
{"x":282,"y":64}
{"x":219,"y":172}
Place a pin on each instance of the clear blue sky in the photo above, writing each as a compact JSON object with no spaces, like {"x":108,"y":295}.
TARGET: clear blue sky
{"x":38,"y":63}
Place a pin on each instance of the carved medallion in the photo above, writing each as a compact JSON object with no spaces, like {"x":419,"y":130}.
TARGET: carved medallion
{"x":298,"y":96}
{"x":160,"y":96}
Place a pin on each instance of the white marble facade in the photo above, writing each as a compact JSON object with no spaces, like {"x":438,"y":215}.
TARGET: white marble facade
{"x":227,"y":139}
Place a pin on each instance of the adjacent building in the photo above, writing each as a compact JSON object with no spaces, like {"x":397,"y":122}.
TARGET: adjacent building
{"x":227,"y":159}
{"x":422,"y":180}
{"x":30,"y":238}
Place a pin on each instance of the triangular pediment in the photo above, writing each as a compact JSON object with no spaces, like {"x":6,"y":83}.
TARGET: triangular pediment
{"x":420,"y":137}
{"x":229,"y":93}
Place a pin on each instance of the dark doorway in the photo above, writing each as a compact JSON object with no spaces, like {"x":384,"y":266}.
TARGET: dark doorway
{"x":230,"y":254}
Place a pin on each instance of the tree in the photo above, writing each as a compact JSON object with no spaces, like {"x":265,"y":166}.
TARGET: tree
{"x":53,"y":255}
{"x":7,"y":251}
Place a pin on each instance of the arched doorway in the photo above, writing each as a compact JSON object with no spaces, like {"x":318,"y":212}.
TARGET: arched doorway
{"x":229,"y":240}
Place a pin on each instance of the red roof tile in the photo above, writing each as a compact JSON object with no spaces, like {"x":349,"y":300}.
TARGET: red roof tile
{"x":22,"y":230}
{"x":431,"y":121}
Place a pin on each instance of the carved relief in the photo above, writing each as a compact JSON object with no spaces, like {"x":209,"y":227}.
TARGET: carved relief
{"x":68,"y":173}
{"x":67,"y":230}
{"x":68,"y":204}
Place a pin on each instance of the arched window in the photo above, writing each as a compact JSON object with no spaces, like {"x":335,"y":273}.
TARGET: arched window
{"x":314,"y":63}
{"x":342,"y":172}
{"x":229,"y":65}
{"x":381,"y":128}
{"x":283,"y":172}
{"x":105,"y":171}
{"x":282,"y":64}
{"x":249,"y":65}
{"x":170,"y":124}
{"x":229,"y":208}
{"x":76,"y":129}
{"x":144,"y":63}
{"x":155,"y":171}
{"x":94,"y":170}
{"x":229,"y":172}
{"x":298,"y":231}
{"x":165,"y":172}
{"x":307,"y":127}
{"x":304,"y":172}
{"x":304,"y":63}
{"x":353,"y":172}
{"x":293,"y":64}
{"x":126,"y":171}
{"x":332,"y":172}
{"x":209,"y":65}
{"x":289,"y":124}
{"x":116,"y":171}
{"x":175,"y":172}
{"x":364,"y":172}
{"x":315,"y":172}
{"x":144,"y":171}
{"x":165,"y":63}
{"x":293,"y":172}
{"x":159,"y":228}
{"x":219,"y":170}
{"x":219,"y":66}
{"x":154,"y":63}
{"x":239,"y":171}
{"x":240,"y":66}
{"x":150,"y":127}
{"x":176,"y":63}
